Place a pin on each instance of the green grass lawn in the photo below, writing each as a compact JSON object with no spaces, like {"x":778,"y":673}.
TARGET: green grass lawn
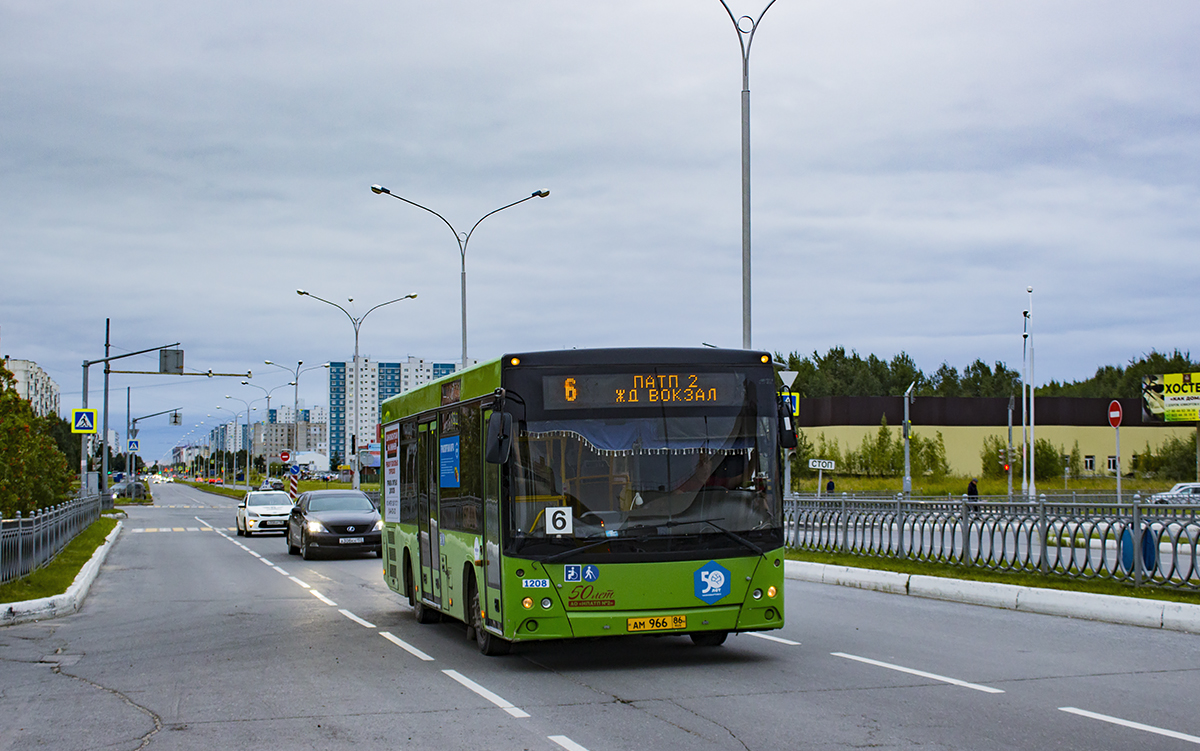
{"x":56,"y":577}
{"x":1021,"y":579}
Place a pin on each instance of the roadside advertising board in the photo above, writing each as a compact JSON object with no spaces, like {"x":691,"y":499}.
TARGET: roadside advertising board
{"x":1174,"y":397}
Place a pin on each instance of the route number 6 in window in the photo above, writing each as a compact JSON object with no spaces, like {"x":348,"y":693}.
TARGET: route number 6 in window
{"x":559,"y":521}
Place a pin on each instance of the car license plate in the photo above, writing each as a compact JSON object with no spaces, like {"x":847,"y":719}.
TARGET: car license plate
{"x":657,"y":623}
{"x":351,"y":541}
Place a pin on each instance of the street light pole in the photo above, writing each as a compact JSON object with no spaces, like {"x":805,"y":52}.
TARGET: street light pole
{"x":296,"y":398}
{"x":267,"y":392}
{"x":1032,"y":421}
{"x":462,"y":240}
{"x":356,"y":323}
{"x":745,"y":27}
{"x":247,"y":469}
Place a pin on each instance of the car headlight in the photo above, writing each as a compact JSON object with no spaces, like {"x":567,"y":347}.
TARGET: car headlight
{"x":378,"y":526}
{"x":251,"y":514}
{"x":315,"y":527}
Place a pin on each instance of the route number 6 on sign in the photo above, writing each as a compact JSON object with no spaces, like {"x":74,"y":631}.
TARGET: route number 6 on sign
{"x":559,"y":521}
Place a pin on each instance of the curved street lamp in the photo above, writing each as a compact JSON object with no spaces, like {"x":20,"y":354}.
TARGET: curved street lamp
{"x":267,"y":392}
{"x":248,"y":410}
{"x":356,"y":323}
{"x":745,"y":27}
{"x":296,"y":397}
{"x":462,"y":240}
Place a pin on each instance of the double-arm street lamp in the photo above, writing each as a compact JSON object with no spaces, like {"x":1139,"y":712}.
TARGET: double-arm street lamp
{"x":247,"y":469}
{"x":296,"y":397}
{"x":745,"y":27}
{"x":267,"y":392}
{"x":462,"y":239}
{"x":356,"y":323}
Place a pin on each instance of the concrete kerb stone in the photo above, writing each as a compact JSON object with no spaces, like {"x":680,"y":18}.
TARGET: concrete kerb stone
{"x":66,"y":603}
{"x":1133,"y":611}
{"x":991,"y":594}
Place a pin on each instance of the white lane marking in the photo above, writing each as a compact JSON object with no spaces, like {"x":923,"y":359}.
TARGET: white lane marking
{"x":264,"y":560}
{"x":504,"y":704}
{"x":921,"y":673}
{"x":356,"y":619}
{"x":280,"y":570}
{"x":322,"y":598}
{"x":193,"y":529}
{"x":406,"y":647}
{"x":1134,"y":725}
{"x":251,"y":552}
{"x":768,"y":637}
{"x":302,"y":584}
{"x":140,"y":529}
{"x":566,"y":743}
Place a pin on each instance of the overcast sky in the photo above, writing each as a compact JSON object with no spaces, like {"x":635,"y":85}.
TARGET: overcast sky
{"x":183,"y":168}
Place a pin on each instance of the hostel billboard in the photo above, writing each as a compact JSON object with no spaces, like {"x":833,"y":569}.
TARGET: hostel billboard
{"x":1174,"y":397}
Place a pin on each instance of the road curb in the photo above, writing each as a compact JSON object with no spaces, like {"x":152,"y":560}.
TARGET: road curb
{"x":1131,"y":611}
{"x":44,"y":608}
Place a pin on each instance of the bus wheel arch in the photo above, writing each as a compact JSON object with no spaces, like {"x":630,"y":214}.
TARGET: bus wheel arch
{"x":488,"y":643}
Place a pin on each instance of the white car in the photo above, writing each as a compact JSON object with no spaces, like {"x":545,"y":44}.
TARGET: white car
{"x":1183,"y":492}
{"x":263,"y":511}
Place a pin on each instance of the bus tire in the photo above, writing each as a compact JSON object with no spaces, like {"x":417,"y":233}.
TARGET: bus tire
{"x":488,"y":643}
{"x":709,"y":638}
{"x":424,"y":614}
{"x":408,"y":581}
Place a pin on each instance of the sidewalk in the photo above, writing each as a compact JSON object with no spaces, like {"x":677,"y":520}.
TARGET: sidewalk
{"x":1131,"y":611}
{"x":64,"y":604}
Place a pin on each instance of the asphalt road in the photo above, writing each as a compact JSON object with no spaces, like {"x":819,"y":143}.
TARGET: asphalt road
{"x":195,"y":638}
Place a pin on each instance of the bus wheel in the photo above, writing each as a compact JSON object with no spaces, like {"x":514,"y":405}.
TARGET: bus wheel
{"x":709,"y":638}
{"x":489,"y":644}
{"x":424,"y":614}
{"x":408,"y":582}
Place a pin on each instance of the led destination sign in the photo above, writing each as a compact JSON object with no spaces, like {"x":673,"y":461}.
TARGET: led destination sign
{"x":592,"y":391}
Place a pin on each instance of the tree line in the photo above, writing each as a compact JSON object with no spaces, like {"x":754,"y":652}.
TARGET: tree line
{"x":837,"y":373}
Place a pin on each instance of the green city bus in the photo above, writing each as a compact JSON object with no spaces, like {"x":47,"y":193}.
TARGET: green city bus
{"x":588,"y":493}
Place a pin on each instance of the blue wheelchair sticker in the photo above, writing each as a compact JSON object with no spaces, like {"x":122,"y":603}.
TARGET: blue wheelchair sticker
{"x":572,"y":572}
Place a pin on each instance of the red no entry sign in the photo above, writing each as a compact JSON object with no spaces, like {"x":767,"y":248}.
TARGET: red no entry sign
{"x":286,"y":456}
{"x":1114,"y":413}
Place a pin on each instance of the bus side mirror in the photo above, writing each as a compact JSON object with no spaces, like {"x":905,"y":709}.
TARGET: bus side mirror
{"x":787,"y":429}
{"x":499,"y":438}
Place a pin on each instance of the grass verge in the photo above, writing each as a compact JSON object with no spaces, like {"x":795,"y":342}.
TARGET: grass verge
{"x":56,"y":577}
{"x":1020,"y":579}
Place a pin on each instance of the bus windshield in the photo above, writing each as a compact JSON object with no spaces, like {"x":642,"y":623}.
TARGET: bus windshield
{"x":646,"y":484}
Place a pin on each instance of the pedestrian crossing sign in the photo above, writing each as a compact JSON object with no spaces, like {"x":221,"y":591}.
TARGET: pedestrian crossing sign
{"x":83,"y":420}
{"x":133,"y":444}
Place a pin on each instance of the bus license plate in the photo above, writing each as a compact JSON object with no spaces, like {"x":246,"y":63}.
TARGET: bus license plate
{"x":658,"y":623}
{"x":351,"y":540}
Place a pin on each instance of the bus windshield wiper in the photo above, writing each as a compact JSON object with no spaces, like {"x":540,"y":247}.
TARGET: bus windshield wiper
{"x":712,"y":523}
{"x":580,"y":549}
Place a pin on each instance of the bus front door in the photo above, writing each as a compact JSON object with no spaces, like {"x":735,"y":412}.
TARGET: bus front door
{"x":490,"y":595}
{"x":427,"y":512}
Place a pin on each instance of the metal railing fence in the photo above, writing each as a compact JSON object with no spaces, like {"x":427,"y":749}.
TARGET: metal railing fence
{"x":1077,"y":536}
{"x":27,"y":544}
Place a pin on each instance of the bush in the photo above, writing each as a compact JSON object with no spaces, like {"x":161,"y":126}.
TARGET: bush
{"x":1175,"y":460}
{"x":1048,"y":459}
